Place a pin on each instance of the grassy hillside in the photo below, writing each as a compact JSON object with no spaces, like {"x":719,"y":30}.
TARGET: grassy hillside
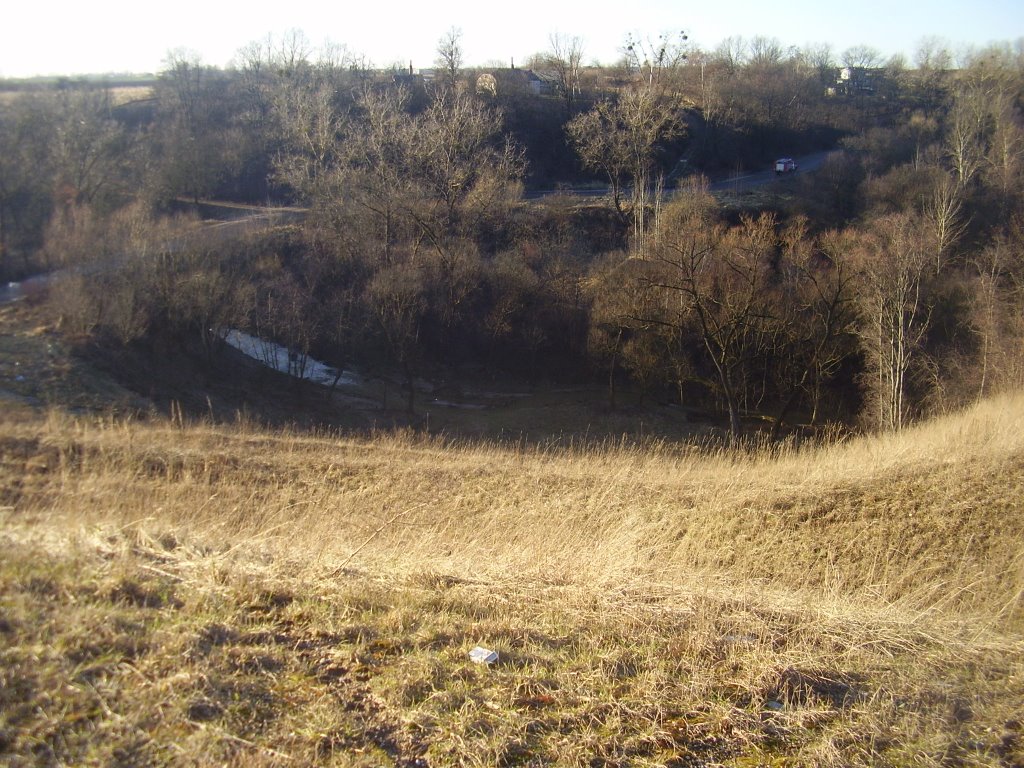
{"x":177,"y":593}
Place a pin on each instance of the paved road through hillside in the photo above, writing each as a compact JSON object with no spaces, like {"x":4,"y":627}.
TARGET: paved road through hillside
{"x":738,"y":182}
{"x":745,"y":181}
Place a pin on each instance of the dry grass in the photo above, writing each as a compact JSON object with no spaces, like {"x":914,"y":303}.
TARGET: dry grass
{"x":197,"y":594}
{"x":121,"y":94}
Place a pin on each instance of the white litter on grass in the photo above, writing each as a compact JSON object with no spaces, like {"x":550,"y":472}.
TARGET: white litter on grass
{"x":280,"y":359}
{"x":481,"y":655}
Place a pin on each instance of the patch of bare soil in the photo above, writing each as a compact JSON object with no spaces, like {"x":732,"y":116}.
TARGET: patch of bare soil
{"x":39,"y":368}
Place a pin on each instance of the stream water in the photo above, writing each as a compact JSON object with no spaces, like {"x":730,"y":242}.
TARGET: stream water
{"x":280,"y":359}
{"x":268,"y":353}
{"x":15,"y":290}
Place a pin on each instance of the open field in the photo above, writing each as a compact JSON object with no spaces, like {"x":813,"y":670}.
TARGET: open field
{"x":176,"y":593}
{"x":119,"y":93}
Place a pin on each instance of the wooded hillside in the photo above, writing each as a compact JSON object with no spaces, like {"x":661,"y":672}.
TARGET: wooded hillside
{"x":424,"y":237}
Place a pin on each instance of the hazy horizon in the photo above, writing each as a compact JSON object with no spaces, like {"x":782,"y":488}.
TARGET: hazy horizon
{"x":109,"y":37}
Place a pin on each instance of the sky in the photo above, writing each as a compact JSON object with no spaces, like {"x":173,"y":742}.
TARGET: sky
{"x":71,"y":37}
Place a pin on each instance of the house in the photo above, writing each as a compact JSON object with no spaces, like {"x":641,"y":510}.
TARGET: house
{"x":514,"y":80}
{"x":852,"y":81}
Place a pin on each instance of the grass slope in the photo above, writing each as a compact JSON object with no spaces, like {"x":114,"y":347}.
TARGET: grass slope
{"x":191,"y":594}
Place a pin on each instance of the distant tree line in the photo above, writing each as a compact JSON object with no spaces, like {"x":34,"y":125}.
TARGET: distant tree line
{"x":887,"y":284}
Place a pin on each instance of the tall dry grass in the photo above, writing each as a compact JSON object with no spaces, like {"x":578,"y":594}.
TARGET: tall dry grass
{"x":927,"y":520}
{"x":198,"y":594}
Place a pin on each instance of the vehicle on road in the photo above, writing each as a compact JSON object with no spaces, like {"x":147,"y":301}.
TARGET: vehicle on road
{"x":785,"y":165}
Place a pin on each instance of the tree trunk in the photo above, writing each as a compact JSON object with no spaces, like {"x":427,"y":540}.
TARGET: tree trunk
{"x":611,"y":371}
{"x":783,"y":412}
{"x":3,"y":244}
{"x":411,"y":401}
{"x":734,"y":421}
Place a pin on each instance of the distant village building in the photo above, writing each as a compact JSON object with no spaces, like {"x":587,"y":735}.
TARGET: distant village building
{"x":407,"y":78}
{"x":503,"y":82}
{"x":412,"y":82}
{"x":852,"y":81}
{"x":514,"y":80}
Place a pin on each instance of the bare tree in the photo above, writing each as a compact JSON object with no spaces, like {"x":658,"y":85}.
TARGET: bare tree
{"x":984,"y":135}
{"x":565,"y":60}
{"x":288,"y":314}
{"x":649,"y":120}
{"x":814,"y":315}
{"x":625,"y":314}
{"x":733,"y":52}
{"x":895,"y":313}
{"x":765,"y":52}
{"x":450,"y":56}
{"x":621,"y":140}
{"x":987,"y":299}
{"x":334,"y":59}
{"x":256,"y":84}
{"x":772,"y":90}
{"x":943,"y":210}
{"x":91,"y":148}
{"x":965,"y":138}
{"x":254,"y":64}
{"x":656,"y":60}
{"x":933,"y":54}
{"x":26,"y":127}
{"x":313,"y":131}
{"x":444,"y":169}
{"x":820,"y":58}
{"x":293,"y":52}
{"x":170,"y":281}
{"x":600,"y":142}
{"x":374,"y":172}
{"x":715,"y":97}
{"x":996,"y":318}
{"x":397,"y":297}
{"x":195,"y":144}
{"x":861,"y":56}
{"x":718,"y":279}
{"x":255,"y":58}
{"x":212,"y":293}
{"x":460,"y":159}
{"x":1004,"y":157}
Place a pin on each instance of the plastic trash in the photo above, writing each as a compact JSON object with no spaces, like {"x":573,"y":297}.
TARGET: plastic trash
{"x":481,"y":655}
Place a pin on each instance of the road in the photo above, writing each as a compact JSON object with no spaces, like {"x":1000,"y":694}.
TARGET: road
{"x":743,"y":182}
{"x":734,"y":183}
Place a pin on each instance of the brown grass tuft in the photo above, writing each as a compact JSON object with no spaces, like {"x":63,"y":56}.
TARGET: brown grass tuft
{"x":208,"y":595}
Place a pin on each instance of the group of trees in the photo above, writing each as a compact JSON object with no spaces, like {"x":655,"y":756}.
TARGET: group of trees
{"x":889,"y":282}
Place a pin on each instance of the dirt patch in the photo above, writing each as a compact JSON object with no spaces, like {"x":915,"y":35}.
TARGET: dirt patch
{"x":39,"y":368}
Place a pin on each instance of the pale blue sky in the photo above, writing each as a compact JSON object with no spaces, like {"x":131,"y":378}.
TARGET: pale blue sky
{"x":66,"y":37}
